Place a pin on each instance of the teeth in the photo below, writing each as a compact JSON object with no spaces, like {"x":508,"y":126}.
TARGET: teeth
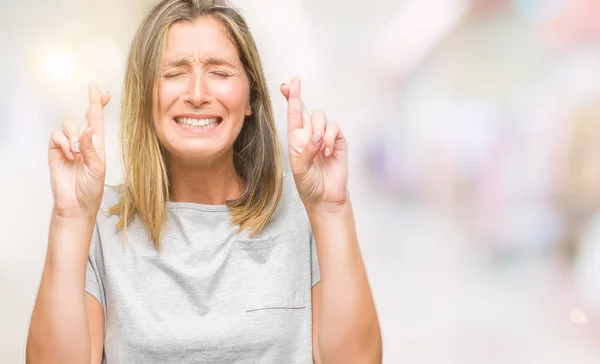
{"x":197,"y":123}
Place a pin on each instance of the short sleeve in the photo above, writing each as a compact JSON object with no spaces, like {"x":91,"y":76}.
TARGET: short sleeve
{"x":314,"y":260}
{"x":92,"y":285}
{"x":93,"y":278}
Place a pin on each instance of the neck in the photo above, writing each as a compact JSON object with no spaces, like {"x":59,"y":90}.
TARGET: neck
{"x":209,"y":183}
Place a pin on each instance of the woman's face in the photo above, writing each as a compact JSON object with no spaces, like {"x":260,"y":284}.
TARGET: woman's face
{"x":203,"y":96}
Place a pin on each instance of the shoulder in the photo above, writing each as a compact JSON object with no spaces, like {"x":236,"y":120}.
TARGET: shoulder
{"x":105,"y":221}
{"x":290,"y":200}
{"x":290,"y":215}
{"x":111,"y":197}
{"x":105,"y":235}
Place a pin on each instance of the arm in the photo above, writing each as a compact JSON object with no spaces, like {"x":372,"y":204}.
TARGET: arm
{"x":60,"y":331}
{"x":67,"y":325}
{"x":345,"y":324}
{"x":95,"y":317}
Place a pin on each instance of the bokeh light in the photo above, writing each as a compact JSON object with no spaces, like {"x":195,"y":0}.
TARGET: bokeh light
{"x":59,"y":66}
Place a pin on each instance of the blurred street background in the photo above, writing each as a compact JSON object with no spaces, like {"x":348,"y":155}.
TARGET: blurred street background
{"x":474,"y":133}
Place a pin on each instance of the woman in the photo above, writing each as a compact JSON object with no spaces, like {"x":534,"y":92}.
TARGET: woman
{"x":206,"y":253}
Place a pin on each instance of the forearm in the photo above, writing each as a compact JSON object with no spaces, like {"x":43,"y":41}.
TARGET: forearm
{"x":59,"y":332}
{"x":348,"y":325}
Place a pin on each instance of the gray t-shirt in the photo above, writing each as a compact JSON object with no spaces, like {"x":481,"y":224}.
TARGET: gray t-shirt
{"x":210,"y":295}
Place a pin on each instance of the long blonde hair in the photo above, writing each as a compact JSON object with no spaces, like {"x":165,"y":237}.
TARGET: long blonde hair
{"x":256,"y":151}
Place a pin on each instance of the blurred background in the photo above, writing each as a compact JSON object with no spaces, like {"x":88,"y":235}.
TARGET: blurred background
{"x":474,"y":132}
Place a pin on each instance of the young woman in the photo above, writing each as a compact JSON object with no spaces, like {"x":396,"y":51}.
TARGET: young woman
{"x":207,"y":253}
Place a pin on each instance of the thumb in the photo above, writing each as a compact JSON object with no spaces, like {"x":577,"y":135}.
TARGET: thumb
{"x":88,"y":151}
{"x":305,"y":159}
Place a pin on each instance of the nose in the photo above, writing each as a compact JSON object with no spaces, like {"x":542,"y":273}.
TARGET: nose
{"x":198,"y":92}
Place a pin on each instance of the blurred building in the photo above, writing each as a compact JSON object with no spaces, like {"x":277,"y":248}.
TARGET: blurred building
{"x":473,"y":128}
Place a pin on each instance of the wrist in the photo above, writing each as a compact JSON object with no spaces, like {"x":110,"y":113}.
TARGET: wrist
{"x":333,"y":210}
{"x":73,"y":216}
{"x":69,"y":241}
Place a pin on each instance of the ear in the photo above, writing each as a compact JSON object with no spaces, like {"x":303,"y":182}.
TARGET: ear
{"x":248,"y":110}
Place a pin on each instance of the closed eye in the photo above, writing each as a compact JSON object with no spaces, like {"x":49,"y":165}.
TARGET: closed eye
{"x":221,"y":74}
{"x":173,"y":75}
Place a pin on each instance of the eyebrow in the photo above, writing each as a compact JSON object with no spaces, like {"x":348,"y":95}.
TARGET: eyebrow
{"x":208,"y":60}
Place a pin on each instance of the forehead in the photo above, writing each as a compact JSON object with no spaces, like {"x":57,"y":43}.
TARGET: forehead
{"x":203,"y":36}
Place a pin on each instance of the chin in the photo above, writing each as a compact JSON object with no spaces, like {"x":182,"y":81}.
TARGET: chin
{"x":195,"y":151}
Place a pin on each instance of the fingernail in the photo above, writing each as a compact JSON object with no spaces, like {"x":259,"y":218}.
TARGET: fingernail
{"x":317,"y":137}
{"x":71,"y":156}
{"x":327,"y":152}
{"x":76,"y":147}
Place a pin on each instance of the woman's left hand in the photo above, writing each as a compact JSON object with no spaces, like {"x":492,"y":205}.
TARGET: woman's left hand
{"x":318,"y":153}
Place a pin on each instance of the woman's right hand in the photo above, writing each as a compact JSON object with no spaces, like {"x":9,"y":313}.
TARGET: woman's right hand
{"x":77,"y":162}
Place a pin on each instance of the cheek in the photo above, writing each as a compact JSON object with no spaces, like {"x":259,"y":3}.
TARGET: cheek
{"x":169,"y":92}
{"x":161,"y":102}
{"x":234,"y":95}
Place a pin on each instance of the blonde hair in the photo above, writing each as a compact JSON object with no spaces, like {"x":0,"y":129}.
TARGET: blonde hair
{"x":146,"y":190}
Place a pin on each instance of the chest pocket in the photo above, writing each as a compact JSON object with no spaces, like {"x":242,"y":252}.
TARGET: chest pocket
{"x":271,"y":272}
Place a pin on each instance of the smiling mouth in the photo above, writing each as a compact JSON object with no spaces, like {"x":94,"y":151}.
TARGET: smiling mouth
{"x":192,"y":123}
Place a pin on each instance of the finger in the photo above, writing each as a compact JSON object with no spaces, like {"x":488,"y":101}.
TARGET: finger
{"x":96,"y":119}
{"x":105,"y":99}
{"x":106,"y":96}
{"x":59,"y":142}
{"x":318,"y":122}
{"x":295,"y":105}
{"x":310,"y":151}
{"x":71,"y":130}
{"x":90,"y":155}
{"x":298,"y":104}
{"x":332,"y":132}
{"x":285,"y":90}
